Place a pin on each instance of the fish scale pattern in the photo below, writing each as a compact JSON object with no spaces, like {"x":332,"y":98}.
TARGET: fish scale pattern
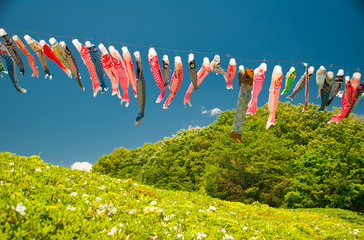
{"x":85,"y":55}
{"x":112,"y":73}
{"x":141,"y":91}
{"x":193,"y":74}
{"x":73,"y":65}
{"x":336,"y":88}
{"x":325,"y":94}
{"x":257,"y":87}
{"x":121,"y":70}
{"x":289,"y":80}
{"x":11,"y":68}
{"x":13,"y":52}
{"x":157,"y":75}
{"x":40,"y":54}
{"x":97,"y":61}
{"x":243,"y":100}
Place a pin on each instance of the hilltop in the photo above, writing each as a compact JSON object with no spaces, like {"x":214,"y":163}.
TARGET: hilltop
{"x":300,"y":162}
{"x":42,"y":201}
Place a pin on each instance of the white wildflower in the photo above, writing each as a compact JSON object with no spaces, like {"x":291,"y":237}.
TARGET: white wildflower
{"x":73,"y":194}
{"x":85,"y":195}
{"x":211,"y":209}
{"x":166,"y":219}
{"x":227,"y":236}
{"x":112,"y":231}
{"x":316,"y":228}
{"x":112,"y":211}
{"x":20,"y":208}
{"x":223,"y":230}
{"x":47,"y":167}
{"x":200,"y":235}
{"x":98,"y":199}
{"x":245,"y":228}
{"x":11,"y":163}
{"x":132,"y":211}
{"x":102,"y":187}
{"x":70,"y":208}
{"x":1,"y":182}
{"x":153,"y":203}
{"x":38,"y":170}
{"x":85,"y":183}
{"x":180,"y":236}
{"x":12,"y":170}
{"x":121,"y":225}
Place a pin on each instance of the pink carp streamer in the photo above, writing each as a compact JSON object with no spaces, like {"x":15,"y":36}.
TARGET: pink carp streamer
{"x":110,"y":70}
{"x":130,"y":69}
{"x":274,"y":93}
{"x":48,"y":51}
{"x":157,"y":73}
{"x":202,"y":73}
{"x":175,"y":81}
{"x":121,"y":69}
{"x":231,"y":73}
{"x":85,"y":55}
{"x":259,"y":75}
{"x":24,"y":50}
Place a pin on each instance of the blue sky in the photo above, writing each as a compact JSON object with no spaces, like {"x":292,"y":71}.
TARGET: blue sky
{"x":64,"y":124}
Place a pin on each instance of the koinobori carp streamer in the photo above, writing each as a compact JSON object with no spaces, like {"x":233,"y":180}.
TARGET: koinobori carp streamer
{"x":259,"y":75}
{"x":12,"y":50}
{"x":320,"y":79}
{"x":244,"y":96}
{"x":193,"y":71}
{"x":85,"y":55}
{"x":274,"y":93}
{"x":97,"y":61}
{"x":338,"y":82}
{"x":29,"y":56}
{"x":5,"y":55}
{"x":40,"y":54}
{"x":290,"y":77}
{"x":72,"y":63}
{"x":216,"y":68}
{"x":157,"y":74}
{"x":175,"y":81}
{"x":325,"y":91}
{"x":129,"y":69}
{"x":123,"y":75}
{"x":166,"y":70}
{"x":231,"y":73}
{"x":110,"y":70}
{"x":140,"y":88}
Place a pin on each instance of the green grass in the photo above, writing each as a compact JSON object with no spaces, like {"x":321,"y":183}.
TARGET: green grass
{"x":69,"y":204}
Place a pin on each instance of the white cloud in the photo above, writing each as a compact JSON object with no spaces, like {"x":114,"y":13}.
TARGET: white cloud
{"x":212,"y":112}
{"x":83,"y":166}
{"x":195,"y":127}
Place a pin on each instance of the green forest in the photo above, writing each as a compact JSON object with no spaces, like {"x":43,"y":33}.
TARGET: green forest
{"x":301,"y":162}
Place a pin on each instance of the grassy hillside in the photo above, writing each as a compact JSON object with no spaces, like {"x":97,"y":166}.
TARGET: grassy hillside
{"x":61,"y":203}
{"x":300,"y":162}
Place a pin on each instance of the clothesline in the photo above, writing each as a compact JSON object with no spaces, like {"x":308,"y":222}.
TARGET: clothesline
{"x":239,"y":59}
